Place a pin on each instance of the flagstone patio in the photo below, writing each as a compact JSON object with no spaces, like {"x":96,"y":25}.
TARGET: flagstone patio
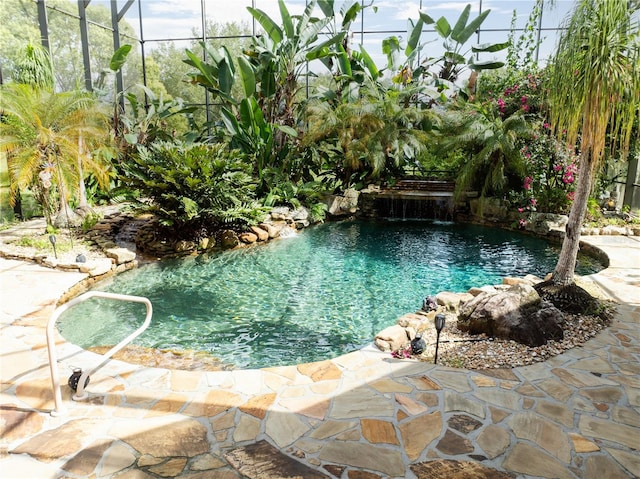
{"x":361,"y":415}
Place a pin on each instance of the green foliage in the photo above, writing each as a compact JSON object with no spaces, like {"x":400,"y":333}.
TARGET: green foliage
{"x":594,"y":83}
{"x":19,"y":25}
{"x":145,"y":123}
{"x":495,"y":163}
{"x":521,"y":53}
{"x":445,"y":69}
{"x":374,"y":138}
{"x":50,"y":138}
{"x":34,"y":68}
{"x":262,"y":119}
{"x":549,"y":168}
{"x":594,"y":211}
{"x":286,"y":192}
{"x":441,"y":164}
{"x":594,"y":95}
{"x":350,"y":69}
{"x":550,"y":173}
{"x":518,"y":92}
{"x":119,"y":57}
{"x":194,"y":186}
{"x":89,"y":221}
{"x":42,"y":243}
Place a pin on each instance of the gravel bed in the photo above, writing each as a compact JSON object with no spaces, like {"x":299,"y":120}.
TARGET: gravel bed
{"x":462,"y":350}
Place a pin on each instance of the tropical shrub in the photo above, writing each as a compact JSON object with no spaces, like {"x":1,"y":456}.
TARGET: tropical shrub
{"x":594,"y":93}
{"x":53,"y":140}
{"x":263,"y":121}
{"x":550,"y":174}
{"x":444,"y":70}
{"x":193,"y":187}
{"x":441,"y":164}
{"x":147,"y":122}
{"x":369,"y":140}
{"x":495,"y":162}
{"x":549,"y":167}
{"x":293,"y":193}
{"x":510,"y":93}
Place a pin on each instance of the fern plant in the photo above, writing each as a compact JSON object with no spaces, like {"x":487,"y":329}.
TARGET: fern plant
{"x":495,"y":160}
{"x":194,"y":186}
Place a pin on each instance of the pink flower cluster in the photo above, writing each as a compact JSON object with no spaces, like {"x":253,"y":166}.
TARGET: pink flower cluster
{"x":501,"y":105}
{"x":569,"y":174}
{"x":402,"y":353}
{"x":511,"y":90}
{"x":527,"y":183}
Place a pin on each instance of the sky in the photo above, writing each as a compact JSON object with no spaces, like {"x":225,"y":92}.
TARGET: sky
{"x":164,"y":19}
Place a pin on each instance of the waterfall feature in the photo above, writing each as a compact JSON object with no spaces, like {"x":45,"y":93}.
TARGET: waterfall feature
{"x":410,"y":199}
{"x":409,"y":207}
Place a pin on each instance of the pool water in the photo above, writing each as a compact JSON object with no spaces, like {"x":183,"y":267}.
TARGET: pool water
{"x":325,"y":292}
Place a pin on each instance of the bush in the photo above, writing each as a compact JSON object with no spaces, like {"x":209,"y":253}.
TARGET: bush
{"x":192,"y":187}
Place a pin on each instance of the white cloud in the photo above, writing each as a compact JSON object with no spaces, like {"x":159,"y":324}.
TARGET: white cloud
{"x":162,"y":7}
{"x":177,"y":18}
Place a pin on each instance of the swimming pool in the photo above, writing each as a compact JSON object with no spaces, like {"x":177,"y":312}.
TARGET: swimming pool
{"x":324,"y":292}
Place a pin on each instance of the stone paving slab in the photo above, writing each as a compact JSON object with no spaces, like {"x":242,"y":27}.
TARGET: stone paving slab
{"x":362,"y":415}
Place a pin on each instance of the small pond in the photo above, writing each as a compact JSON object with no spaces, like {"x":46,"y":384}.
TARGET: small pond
{"x":325,"y":292}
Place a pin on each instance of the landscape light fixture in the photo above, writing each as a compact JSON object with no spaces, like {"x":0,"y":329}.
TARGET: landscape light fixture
{"x":52,"y":239}
{"x":439,"y":321}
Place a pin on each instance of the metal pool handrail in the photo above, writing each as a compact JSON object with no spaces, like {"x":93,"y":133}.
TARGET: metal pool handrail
{"x":53,"y":361}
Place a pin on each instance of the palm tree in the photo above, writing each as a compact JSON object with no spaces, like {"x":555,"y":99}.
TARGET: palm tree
{"x":377,"y":135}
{"x":495,"y":156}
{"x":49,"y":137}
{"x":594,"y":86}
{"x":34,"y":67}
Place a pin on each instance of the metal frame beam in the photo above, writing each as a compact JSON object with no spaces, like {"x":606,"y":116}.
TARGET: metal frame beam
{"x":43,"y":22}
{"x":116,"y":16}
{"x":84,"y":37}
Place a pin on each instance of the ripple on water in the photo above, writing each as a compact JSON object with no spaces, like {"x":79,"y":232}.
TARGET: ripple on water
{"x":325,"y":292}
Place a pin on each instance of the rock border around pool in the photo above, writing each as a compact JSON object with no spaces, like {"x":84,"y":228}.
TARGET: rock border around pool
{"x":281,"y":222}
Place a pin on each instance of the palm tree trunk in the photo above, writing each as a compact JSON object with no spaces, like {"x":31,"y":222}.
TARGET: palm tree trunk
{"x":82,"y":193}
{"x":66,"y":217}
{"x":563,"y":275}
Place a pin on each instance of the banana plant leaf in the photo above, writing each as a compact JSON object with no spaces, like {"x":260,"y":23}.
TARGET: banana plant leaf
{"x":486,"y":65}
{"x":414,"y":37}
{"x":470,"y":29}
{"x":351,"y":14}
{"x":270,"y":27}
{"x":489,"y":47}
{"x":327,"y":7}
{"x":247,"y":76}
{"x":287,"y":23}
{"x":119,"y":57}
{"x":461,"y":23}
{"x":442,"y":27}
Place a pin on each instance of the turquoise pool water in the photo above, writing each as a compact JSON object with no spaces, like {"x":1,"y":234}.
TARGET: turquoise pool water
{"x":323,"y":293}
